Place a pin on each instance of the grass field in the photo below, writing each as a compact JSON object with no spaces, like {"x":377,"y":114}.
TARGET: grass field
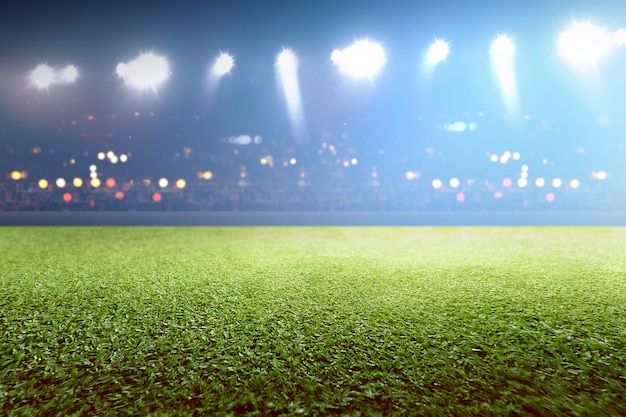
{"x":312,"y":321}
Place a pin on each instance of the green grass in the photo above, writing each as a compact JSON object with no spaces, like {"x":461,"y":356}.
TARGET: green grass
{"x":312,"y":321}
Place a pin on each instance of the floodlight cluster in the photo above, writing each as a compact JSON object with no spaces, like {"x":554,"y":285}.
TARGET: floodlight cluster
{"x":45,"y":76}
{"x":585,"y":44}
{"x":146,"y":72}
{"x":362,"y":59}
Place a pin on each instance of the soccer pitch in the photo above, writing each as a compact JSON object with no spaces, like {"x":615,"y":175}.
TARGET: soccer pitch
{"x":312,"y":320}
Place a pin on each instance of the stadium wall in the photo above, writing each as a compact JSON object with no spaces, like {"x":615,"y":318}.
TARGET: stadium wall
{"x":308,"y":218}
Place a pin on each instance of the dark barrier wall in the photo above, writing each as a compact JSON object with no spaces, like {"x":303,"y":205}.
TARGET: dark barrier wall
{"x":229,"y":218}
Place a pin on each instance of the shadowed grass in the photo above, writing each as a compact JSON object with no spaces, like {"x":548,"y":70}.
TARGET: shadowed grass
{"x":272,"y":321}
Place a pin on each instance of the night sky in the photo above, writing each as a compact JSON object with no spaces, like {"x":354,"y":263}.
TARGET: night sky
{"x":396,"y":108}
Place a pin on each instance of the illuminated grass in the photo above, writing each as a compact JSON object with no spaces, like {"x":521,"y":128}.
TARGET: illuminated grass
{"x":271,"y":321}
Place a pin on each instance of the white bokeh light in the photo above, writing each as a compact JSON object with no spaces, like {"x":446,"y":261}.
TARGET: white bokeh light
{"x":437,"y":52}
{"x":223,"y":64}
{"x":363,"y":59}
{"x":42,"y":77}
{"x":584,"y":44}
{"x":148,"y":71}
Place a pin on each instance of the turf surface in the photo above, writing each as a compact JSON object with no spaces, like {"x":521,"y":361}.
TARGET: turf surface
{"x":290,"y":320}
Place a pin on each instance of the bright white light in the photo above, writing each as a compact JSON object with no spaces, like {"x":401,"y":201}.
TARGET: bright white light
{"x":456,"y":127}
{"x":502,"y":54}
{"x":223,"y":65}
{"x":522,"y":182}
{"x":557,"y":182}
{"x":574,"y":183}
{"x":437,"y":52}
{"x":42,"y":77}
{"x":540,"y":182}
{"x":619,"y":37}
{"x":287,"y":72}
{"x":362,"y":59}
{"x":60,"y":182}
{"x":69,"y":74}
{"x":145,"y":72}
{"x":454,"y":182}
{"x":584,"y":44}
{"x":437,"y":184}
{"x":163,"y":182}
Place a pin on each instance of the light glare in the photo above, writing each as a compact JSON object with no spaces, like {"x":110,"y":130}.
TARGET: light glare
{"x":69,"y":74}
{"x":363,"y":59}
{"x":42,"y":77}
{"x":223,"y":65}
{"x":584,"y":44}
{"x":147,"y":71}
{"x":287,"y":72}
{"x":437,"y":52}
{"x":502,"y":54}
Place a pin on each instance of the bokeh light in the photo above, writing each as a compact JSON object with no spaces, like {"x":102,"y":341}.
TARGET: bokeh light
{"x":222,"y":65}
{"x":363,"y":59}
{"x":584,"y":44}
{"x":145,"y":72}
{"x":437,"y":52}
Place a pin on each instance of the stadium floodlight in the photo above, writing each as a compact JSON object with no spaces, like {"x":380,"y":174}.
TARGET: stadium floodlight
{"x":362,"y":59}
{"x":502,"y":54}
{"x":223,"y":64}
{"x":147,"y":71}
{"x":287,"y":73}
{"x":437,"y":52}
{"x":584,"y":44}
{"x":42,"y":77}
{"x":69,"y":74}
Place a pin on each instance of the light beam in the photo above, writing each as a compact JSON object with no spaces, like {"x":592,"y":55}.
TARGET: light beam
{"x":437,"y":52}
{"x":502,"y":54}
{"x":223,"y":64}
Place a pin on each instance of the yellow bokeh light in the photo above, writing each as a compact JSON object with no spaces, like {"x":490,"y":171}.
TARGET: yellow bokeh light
{"x":181,"y":184}
{"x":16,"y":175}
{"x":43,"y":184}
{"x":78,"y":182}
{"x":208,"y":175}
{"x":95,"y":182}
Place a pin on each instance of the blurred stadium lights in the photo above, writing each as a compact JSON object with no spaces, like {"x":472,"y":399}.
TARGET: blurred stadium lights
{"x":583,"y":44}
{"x":287,"y":72}
{"x":362,"y":59}
{"x":437,"y":52}
{"x":222,"y":65}
{"x":42,"y":77}
{"x":502,"y":53}
{"x":147,"y":71}
{"x":69,"y":74}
